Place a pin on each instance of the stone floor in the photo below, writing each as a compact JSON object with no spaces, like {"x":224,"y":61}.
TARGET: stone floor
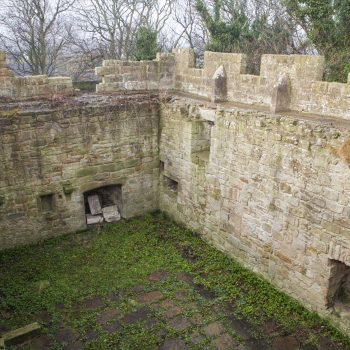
{"x":149,"y":284}
{"x":185,"y":317}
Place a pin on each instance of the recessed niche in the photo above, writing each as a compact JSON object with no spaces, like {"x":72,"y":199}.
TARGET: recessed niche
{"x":170,"y":184}
{"x":161,"y":166}
{"x":46,"y":202}
{"x":201,"y":139}
{"x":339,"y":285}
{"x":103,"y":204}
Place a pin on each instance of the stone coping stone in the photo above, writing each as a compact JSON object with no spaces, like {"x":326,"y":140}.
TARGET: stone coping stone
{"x":20,"y":335}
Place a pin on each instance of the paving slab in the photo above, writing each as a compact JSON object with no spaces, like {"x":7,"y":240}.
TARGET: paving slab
{"x":197,"y":319}
{"x":224,"y":342}
{"x":65,"y":335}
{"x":113,"y":327}
{"x":213,"y":329}
{"x":196,"y":338}
{"x":241,"y":327}
{"x":286,"y":343}
{"x":174,"y":344}
{"x":185,"y":277}
{"x":150,"y":323}
{"x":182,"y":294}
{"x":40,"y":343}
{"x":179,"y":323}
{"x":137,"y":316}
{"x":157,"y":276}
{"x":172,"y":312}
{"x":107,"y":315}
{"x":150,"y":297}
{"x":270,"y":327}
{"x":91,"y":334}
{"x":93,"y":303}
{"x":168,"y":304}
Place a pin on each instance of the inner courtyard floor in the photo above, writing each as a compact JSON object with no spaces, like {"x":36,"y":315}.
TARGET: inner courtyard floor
{"x":148,"y":283}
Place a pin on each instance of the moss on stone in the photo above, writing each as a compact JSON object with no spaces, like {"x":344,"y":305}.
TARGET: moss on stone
{"x":67,"y":188}
{"x":9,"y":113}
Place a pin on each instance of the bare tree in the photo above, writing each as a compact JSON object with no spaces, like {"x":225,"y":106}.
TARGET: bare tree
{"x":34,"y":33}
{"x":189,"y":28}
{"x":109,"y":26}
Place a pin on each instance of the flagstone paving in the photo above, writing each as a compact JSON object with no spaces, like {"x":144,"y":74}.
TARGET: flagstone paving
{"x":168,"y":310}
{"x":181,"y":318}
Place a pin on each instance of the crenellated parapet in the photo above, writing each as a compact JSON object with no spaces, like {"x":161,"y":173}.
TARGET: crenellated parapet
{"x":31,"y":86}
{"x":118,"y":75}
{"x":306,"y":92}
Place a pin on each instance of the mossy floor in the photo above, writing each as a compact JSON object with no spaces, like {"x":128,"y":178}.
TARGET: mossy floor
{"x":148,"y":283}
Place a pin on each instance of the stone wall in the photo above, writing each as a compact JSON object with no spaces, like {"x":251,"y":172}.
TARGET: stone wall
{"x":308,"y":93}
{"x":260,"y":182}
{"x":270,"y":191}
{"x":142,"y":75}
{"x":60,"y":153}
{"x":31,"y":86}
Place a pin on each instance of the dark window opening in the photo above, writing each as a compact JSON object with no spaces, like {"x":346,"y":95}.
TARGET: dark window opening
{"x":46,"y":202}
{"x":339,"y":285}
{"x":103,"y":204}
{"x":161,"y":166}
{"x":170,"y":184}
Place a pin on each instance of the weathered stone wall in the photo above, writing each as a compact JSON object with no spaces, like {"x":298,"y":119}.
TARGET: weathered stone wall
{"x":68,"y":150}
{"x":31,"y":86}
{"x":272,"y":192}
{"x":308,"y":92}
{"x":143,"y":75}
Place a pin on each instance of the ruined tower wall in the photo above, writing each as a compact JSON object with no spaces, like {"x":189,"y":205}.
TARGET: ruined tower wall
{"x":269,"y":191}
{"x":31,"y":86}
{"x":269,"y":188}
{"x":308,"y":92}
{"x":62,"y":153}
{"x":143,"y":75}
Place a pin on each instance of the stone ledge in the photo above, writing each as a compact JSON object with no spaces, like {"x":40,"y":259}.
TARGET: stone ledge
{"x":20,"y":335}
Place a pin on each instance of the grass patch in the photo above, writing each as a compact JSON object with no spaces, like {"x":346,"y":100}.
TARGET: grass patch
{"x":67,"y":270}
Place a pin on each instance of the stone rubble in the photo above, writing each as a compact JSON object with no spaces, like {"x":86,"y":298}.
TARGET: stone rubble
{"x":94,"y":204}
{"x":111,"y":213}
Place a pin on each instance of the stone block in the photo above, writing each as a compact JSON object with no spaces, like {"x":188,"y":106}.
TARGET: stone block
{"x":2,"y":56}
{"x":94,"y":219}
{"x":111,"y":213}
{"x":219,"y":93}
{"x":21,"y":335}
{"x":4,"y":72}
{"x":95,"y":204}
{"x":281,"y":95}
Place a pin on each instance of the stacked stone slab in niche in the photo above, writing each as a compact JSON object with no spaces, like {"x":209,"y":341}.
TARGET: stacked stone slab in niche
{"x":102,"y":205}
